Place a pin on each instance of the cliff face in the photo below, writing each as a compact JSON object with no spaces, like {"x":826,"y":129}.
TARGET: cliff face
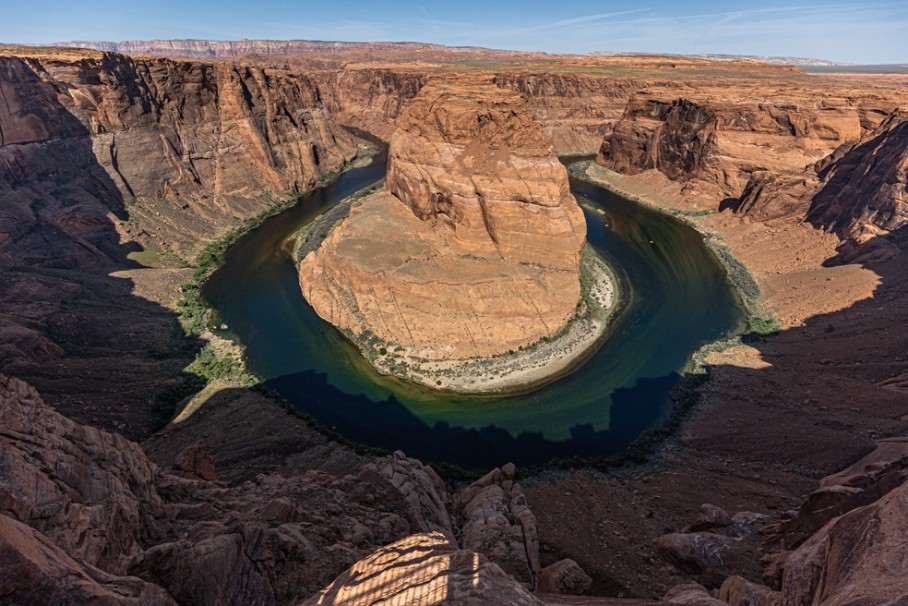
{"x":189,"y":147}
{"x":370,"y":99}
{"x":103,"y":156}
{"x":575,"y":111}
{"x":716,"y":142}
{"x":474,"y":250}
{"x":474,"y":158}
{"x":858,"y":191}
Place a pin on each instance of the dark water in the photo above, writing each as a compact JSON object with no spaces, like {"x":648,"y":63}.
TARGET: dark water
{"x":678,"y":298}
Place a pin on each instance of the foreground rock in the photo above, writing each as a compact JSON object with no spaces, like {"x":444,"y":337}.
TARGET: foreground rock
{"x":474,"y":251}
{"x":424,"y":569}
{"x":495,"y":520}
{"x":87,"y":507}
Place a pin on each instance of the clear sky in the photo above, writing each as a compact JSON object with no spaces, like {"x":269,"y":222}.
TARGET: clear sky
{"x":851,"y":31}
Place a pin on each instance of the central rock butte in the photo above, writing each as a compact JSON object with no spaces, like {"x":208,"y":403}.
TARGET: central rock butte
{"x":474,"y":248}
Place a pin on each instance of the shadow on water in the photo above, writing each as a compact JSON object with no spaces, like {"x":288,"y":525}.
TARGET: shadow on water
{"x":677,"y":299}
{"x":391,"y":425}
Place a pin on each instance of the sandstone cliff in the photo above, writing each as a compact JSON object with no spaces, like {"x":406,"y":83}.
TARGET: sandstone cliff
{"x":858,"y":192}
{"x":575,"y":111}
{"x":716,"y":139}
{"x":474,"y":250}
{"x":188,"y":148}
{"x":102,"y":156}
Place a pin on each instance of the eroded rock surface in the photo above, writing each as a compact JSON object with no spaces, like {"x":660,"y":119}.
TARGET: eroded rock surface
{"x":475,"y":248}
{"x":97,"y":509}
{"x":424,"y":569}
{"x":496,"y":521}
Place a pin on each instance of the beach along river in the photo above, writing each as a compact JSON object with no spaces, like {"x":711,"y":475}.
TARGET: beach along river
{"x":676,"y":298}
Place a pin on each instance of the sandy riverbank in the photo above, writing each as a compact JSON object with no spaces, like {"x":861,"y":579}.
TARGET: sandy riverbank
{"x":533,"y":366}
{"x":777,"y":266}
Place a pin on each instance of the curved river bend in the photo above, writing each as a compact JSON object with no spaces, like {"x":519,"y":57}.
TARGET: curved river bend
{"x":677,"y":299}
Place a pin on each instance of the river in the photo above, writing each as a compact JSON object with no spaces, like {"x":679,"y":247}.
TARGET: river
{"x":677,"y":298}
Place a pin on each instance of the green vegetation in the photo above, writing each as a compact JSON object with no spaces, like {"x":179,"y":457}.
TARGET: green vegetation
{"x":210,"y":364}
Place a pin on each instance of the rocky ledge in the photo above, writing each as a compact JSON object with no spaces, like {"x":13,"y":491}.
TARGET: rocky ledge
{"x":468,"y":266}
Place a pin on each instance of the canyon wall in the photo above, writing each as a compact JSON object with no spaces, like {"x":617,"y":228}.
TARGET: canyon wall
{"x":716,"y":139}
{"x":189,"y":148}
{"x":575,"y":111}
{"x":476,"y":251}
{"x":858,"y":192}
{"x":104,"y":157}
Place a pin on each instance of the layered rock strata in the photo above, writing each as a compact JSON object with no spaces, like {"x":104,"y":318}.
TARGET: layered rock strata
{"x":858,"y":192}
{"x":105,"y":159}
{"x":475,"y":247}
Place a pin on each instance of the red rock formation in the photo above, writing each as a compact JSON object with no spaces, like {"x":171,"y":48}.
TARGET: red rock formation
{"x":718,"y":140}
{"x":495,"y":520}
{"x":424,"y":569}
{"x":98,"y":509}
{"x":857,"y":191}
{"x":36,"y":571}
{"x":187,"y":146}
{"x":478,"y":250}
{"x":104,"y":155}
{"x":91,"y":492}
{"x":858,"y":558}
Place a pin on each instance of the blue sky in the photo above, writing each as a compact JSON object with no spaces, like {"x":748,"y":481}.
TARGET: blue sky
{"x":851,"y":31}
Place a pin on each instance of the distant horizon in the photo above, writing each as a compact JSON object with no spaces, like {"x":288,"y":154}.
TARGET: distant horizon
{"x":63,"y":43}
{"x":853,"y":32}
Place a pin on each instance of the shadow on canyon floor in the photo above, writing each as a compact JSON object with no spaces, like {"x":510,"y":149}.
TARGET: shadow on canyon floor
{"x":75,"y":323}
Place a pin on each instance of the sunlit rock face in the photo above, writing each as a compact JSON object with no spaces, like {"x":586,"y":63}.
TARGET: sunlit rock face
{"x":473,"y":249}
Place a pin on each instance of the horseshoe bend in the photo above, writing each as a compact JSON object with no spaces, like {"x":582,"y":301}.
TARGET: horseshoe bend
{"x":346,"y":323}
{"x":471,"y":254}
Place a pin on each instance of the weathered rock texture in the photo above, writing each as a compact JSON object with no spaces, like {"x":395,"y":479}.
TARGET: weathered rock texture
{"x":495,"y":520}
{"x":575,"y":111}
{"x":477,"y":249}
{"x":839,"y":161}
{"x":103,"y":155}
{"x":80,"y":508}
{"x":188,"y":148}
{"x":858,"y":191}
{"x":717,"y":141}
{"x":423,"y":569}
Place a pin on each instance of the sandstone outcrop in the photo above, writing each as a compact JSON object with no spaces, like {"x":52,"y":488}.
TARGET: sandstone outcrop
{"x":496,"y":521}
{"x":81,"y":509}
{"x":93,"y":493}
{"x":104,"y":156}
{"x":475,"y":248}
{"x":715,"y":142}
{"x":714,"y":545}
{"x":187,"y":147}
{"x":564,"y":577}
{"x":857,"y":191}
{"x":37,"y":571}
{"x":425,"y":569}
{"x":858,"y":558}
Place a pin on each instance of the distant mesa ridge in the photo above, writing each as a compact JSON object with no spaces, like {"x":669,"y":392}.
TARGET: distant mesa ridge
{"x":226,"y":49}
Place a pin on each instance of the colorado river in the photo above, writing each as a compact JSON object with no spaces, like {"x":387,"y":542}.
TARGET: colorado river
{"x":677,"y":298}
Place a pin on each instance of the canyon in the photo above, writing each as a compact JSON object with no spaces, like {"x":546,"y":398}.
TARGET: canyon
{"x":801,"y":178}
